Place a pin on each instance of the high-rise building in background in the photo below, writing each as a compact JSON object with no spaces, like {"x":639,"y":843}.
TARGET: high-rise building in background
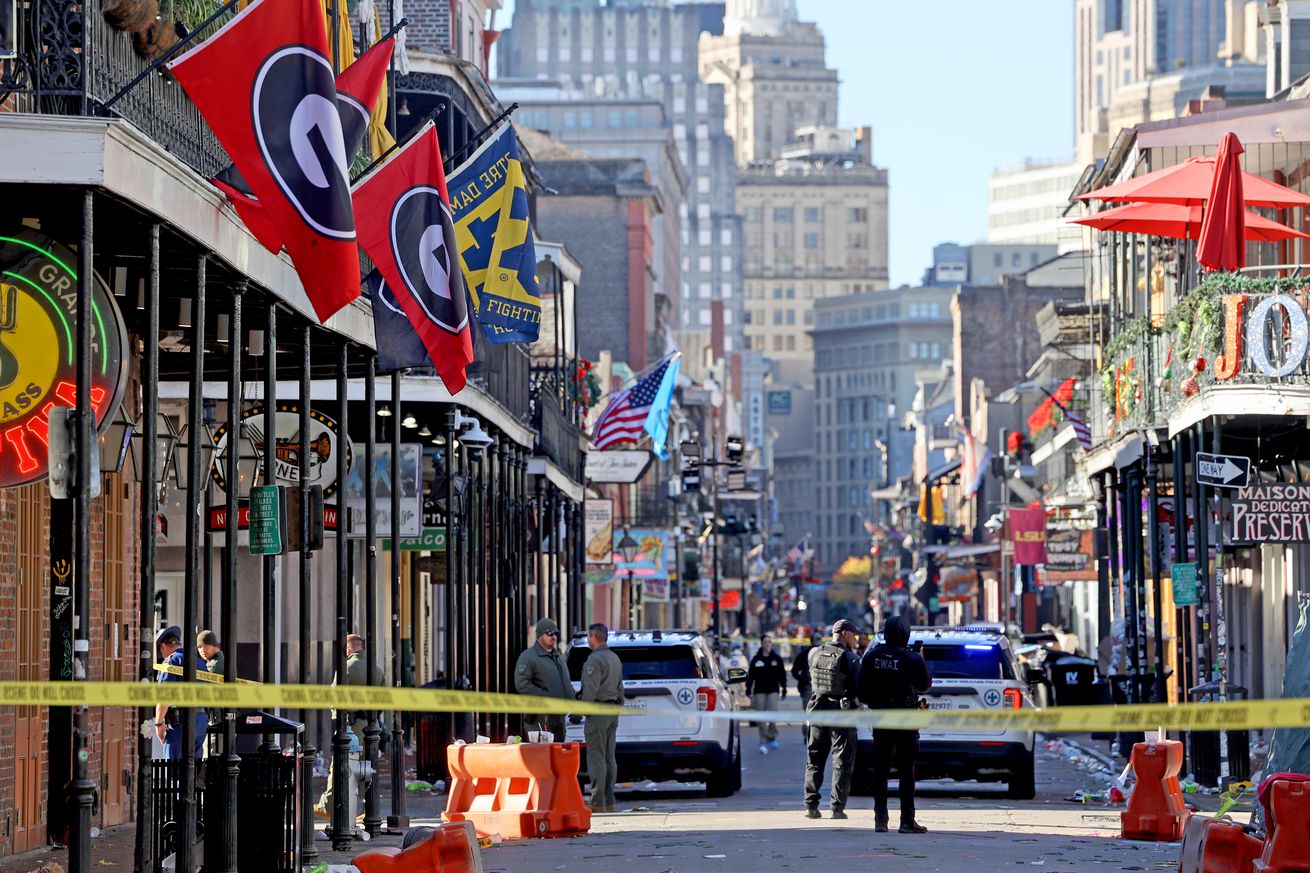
{"x":815,"y":226}
{"x":583,"y":69}
{"x":1026,"y":204}
{"x":774,"y":74}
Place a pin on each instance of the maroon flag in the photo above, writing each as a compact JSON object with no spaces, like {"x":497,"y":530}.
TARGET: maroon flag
{"x":1028,"y":533}
{"x":406,"y":228}
{"x":265,"y":85}
{"x":358,"y":87}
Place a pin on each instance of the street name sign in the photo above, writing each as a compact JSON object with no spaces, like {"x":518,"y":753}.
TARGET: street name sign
{"x":1223,"y":471}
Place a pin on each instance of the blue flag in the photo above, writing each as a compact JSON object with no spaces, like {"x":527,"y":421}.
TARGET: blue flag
{"x":657,"y":422}
{"x":489,"y":201}
{"x":399,"y":346}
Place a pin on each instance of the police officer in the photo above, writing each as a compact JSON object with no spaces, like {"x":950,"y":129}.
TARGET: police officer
{"x":834,"y":672}
{"x":602,"y":682}
{"x":893,"y":676}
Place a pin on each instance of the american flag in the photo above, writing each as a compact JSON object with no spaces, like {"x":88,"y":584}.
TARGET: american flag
{"x":1080,"y":428}
{"x":624,"y":418}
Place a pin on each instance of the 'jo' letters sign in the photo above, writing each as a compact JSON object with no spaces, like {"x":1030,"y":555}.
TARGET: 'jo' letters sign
{"x":1271,"y":514}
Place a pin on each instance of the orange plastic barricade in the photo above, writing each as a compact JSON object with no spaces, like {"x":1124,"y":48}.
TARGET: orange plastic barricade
{"x":450,"y":848}
{"x":517,"y":790}
{"x":1287,"y":843}
{"x":1217,"y":845}
{"x":1156,"y":810}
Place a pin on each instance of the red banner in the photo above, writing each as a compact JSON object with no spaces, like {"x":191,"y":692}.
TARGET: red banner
{"x":265,"y":85}
{"x":1028,"y":533}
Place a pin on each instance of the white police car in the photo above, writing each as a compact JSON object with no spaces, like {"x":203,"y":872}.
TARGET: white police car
{"x":971,"y":668}
{"x":674,"y":676}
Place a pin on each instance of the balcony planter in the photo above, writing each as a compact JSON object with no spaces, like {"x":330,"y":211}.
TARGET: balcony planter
{"x":131,"y":16}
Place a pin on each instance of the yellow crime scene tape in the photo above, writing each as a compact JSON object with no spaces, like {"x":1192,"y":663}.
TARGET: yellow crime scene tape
{"x":1230,"y":715}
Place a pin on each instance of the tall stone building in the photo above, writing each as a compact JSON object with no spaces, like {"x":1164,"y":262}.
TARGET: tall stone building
{"x":869,"y":349}
{"x":600,"y":59}
{"x":774,"y":74}
{"x":815,"y":225}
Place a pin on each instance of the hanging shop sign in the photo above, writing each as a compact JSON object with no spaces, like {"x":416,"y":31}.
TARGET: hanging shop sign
{"x":1028,"y":534}
{"x":1070,"y":557}
{"x":430,"y":539}
{"x":324,"y":442}
{"x":779,"y":403}
{"x":1183,"y":578}
{"x":598,"y":533}
{"x":1271,"y":514}
{"x":408,"y":479}
{"x":217,"y":520}
{"x":38,"y":350}
{"x":1223,"y":471}
{"x":653,"y":559}
{"x":621,"y":467}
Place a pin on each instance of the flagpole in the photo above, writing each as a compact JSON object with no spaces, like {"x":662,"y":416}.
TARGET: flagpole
{"x":168,"y":54}
{"x":632,"y":380}
{"x":480,"y":134}
{"x":398,"y":144}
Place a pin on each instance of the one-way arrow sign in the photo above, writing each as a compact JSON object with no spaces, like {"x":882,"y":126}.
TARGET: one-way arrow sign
{"x":1223,"y":471}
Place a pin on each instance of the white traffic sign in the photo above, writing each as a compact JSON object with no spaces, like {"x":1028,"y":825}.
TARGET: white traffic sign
{"x":1223,"y":471}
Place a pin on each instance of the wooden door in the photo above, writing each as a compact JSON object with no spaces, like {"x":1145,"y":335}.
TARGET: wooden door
{"x":114,"y":554}
{"x":33,"y":545}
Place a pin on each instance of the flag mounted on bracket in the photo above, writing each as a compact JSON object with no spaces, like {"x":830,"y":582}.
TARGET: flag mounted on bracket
{"x":489,"y":201}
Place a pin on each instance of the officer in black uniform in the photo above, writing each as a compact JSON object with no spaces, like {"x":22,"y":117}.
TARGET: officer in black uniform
{"x":834,"y":673}
{"x":892,"y":676}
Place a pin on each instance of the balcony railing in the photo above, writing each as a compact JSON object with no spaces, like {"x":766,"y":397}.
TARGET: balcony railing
{"x":558,"y":439}
{"x":503,"y":372}
{"x":1130,"y":384}
{"x":54,"y":73}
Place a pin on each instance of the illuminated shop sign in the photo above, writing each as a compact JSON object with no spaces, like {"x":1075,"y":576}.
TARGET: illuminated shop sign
{"x":38,"y":350}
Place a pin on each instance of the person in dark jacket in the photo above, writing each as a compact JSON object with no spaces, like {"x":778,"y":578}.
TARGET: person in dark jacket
{"x":892,"y":676}
{"x":766,"y":683}
{"x":800,"y":668}
{"x":835,"y":672}
{"x":541,"y":672}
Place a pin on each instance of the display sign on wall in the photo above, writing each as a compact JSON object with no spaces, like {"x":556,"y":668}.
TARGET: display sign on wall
{"x":1183,"y":578}
{"x":1070,"y":556}
{"x":1271,"y":514}
{"x":324,"y":443}
{"x":38,"y":350}
{"x":598,"y":533}
{"x":409,"y":479}
{"x":622,"y":466}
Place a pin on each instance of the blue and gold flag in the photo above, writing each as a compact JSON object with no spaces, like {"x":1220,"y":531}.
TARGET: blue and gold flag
{"x":489,"y":201}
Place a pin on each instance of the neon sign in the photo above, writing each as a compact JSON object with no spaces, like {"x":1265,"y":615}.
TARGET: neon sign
{"x":38,"y":350}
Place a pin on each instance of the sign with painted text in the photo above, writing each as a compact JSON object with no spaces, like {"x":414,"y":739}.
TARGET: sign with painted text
{"x":1070,"y":556}
{"x":255,"y":450}
{"x":268,"y":520}
{"x":1183,"y":577}
{"x":1028,"y":533}
{"x":1277,"y":513}
{"x":598,"y":531}
{"x":408,"y":480}
{"x":617,"y":467}
{"x":432,"y":539}
{"x":1223,"y":471}
{"x":38,"y":350}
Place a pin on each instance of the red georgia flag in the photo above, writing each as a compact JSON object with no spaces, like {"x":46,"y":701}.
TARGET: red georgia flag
{"x":358,"y":87}
{"x":265,"y":85}
{"x":406,"y":228}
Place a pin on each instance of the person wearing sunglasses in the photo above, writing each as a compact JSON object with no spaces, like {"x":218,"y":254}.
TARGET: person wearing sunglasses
{"x":541,"y":672}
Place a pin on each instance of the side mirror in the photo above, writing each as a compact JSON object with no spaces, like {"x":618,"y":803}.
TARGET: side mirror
{"x":736,"y":676}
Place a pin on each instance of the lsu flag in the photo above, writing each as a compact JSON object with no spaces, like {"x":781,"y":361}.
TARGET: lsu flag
{"x":489,"y":202}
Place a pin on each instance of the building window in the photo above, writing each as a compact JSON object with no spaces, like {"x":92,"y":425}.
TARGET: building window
{"x":706,"y":290}
{"x":791,"y":342}
{"x":791,"y":316}
{"x":813,"y":215}
{"x":782,"y":214}
{"x":998,"y":260}
{"x":777,"y":343}
{"x":811,"y":240}
{"x":859,"y":215}
{"x":777,"y":317}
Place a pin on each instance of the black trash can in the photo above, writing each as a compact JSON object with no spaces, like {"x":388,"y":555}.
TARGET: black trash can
{"x":268,"y":792}
{"x":432,"y":736}
{"x":1122,"y":694}
{"x":165,"y":806}
{"x":1073,"y":679}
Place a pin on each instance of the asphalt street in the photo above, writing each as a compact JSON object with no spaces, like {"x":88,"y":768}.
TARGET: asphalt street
{"x":972,"y":826}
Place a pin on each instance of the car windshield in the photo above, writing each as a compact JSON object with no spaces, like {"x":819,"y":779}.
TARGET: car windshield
{"x":967,"y":661}
{"x":644,"y":662}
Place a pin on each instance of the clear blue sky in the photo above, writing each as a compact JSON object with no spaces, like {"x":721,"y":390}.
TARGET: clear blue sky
{"x":953,"y":90}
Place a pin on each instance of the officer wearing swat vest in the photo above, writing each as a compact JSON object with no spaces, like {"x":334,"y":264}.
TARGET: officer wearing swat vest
{"x":892,"y":676}
{"x":834,"y":674}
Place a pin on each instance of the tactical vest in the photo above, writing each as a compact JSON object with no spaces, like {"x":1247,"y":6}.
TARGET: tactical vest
{"x":826,"y":676}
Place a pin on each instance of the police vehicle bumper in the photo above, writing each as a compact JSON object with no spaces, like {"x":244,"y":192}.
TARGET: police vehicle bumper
{"x":983,"y":760}
{"x":663,"y":761}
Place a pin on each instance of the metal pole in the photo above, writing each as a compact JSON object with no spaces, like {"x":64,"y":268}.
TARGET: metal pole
{"x":226,"y":859}
{"x":270,"y":634}
{"x":82,"y":789}
{"x":1127,"y":495}
{"x":1153,"y":525}
{"x":373,"y":732}
{"x":447,"y":455}
{"x":197,"y":486}
{"x":1186,"y":660}
{"x":343,"y":816}
{"x":144,"y":851}
{"x":398,"y":820}
{"x":309,"y":754}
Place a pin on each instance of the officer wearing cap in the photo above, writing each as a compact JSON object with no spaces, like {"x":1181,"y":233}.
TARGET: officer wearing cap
{"x":834,"y":675}
{"x":541,"y":672}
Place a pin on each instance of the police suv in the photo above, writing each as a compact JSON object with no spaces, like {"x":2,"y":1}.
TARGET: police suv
{"x":673,"y":675}
{"x":971,"y":668}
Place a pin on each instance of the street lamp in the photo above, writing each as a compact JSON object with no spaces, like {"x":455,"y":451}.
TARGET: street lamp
{"x":628,"y":549}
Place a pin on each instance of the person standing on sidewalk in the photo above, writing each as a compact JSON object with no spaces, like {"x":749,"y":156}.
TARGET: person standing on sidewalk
{"x":541,"y":672}
{"x":835,"y":672}
{"x":602,"y":682}
{"x":356,"y":674}
{"x":892,"y":677}
{"x":766,"y":684}
{"x":800,"y":669}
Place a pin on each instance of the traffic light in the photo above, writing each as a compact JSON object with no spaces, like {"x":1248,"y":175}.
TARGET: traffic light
{"x":734,"y":448}
{"x":691,"y":478}
{"x":691,"y":565}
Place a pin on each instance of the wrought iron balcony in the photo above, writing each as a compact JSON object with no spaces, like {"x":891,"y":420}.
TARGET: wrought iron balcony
{"x":56,"y":72}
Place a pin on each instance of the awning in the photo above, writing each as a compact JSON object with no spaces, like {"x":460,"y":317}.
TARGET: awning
{"x":963,"y":550}
{"x":891,"y":492}
{"x":943,"y":471}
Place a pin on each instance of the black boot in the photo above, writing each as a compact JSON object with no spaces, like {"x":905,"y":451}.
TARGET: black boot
{"x":910,"y":826}
{"x":880,"y":822}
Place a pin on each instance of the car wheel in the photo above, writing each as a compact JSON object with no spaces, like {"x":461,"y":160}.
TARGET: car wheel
{"x":1023,"y":782}
{"x":736,"y":762}
{"x":722,"y":783}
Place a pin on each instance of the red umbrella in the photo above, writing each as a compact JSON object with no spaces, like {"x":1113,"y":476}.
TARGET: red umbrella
{"x":1180,"y":222}
{"x":1222,"y":243}
{"x":1189,"y":183}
